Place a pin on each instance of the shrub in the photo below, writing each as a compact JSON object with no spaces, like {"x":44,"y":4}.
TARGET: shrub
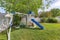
{"x":22,"y":25}
{"x":16,"y":20}
{"x":43,"y":20}
{"x":51,"y":20}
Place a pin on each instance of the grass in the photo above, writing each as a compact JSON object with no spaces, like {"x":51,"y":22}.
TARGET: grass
{"x":50,"y":32}
{"x":3,"y":36}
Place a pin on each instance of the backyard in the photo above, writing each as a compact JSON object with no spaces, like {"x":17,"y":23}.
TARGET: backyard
{"x":51,"y":32}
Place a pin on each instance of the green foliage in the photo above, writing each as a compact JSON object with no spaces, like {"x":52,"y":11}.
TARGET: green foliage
{"x":48,"y":20}
{"x":55,"y":12}
{"x":51,"y":20}
{"x":23,"y":6}
{"x":22,"y":25}
{"x":52,"y":13}
{"x":45,"y":14}
{"x":16,"y":20}
{"x":43,"y":20}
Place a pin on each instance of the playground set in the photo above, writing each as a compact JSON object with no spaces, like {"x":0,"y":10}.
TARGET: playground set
{"x":32,"y":19}
{"x":6,"y":23}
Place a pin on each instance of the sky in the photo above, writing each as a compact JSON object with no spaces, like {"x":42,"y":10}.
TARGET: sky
{"x":55,"y":4}
{"x":2,"y":10}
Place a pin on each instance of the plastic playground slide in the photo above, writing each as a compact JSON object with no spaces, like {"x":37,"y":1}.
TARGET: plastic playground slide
{"x":37,"y":23}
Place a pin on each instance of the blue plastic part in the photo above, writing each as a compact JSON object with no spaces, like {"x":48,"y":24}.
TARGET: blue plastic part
{"x":13,"y":12}
{"x":11,"y":24}
{"x":30,"y":12}
{"x":37,"y":23}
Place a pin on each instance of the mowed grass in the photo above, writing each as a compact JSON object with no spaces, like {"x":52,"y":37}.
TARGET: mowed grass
{"x":50,"y":32}
{"x":3,"y":36}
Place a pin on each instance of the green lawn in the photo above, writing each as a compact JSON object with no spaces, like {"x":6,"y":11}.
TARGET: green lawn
{"x":50,"y":32}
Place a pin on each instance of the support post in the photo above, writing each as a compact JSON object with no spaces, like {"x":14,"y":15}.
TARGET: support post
{"x":8,"y":34}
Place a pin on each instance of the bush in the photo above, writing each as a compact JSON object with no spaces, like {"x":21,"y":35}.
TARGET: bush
{"x":22,"y":25}
{"x":51,"y":20}
{"x":16,"y":20}
{"x":43,"y":20}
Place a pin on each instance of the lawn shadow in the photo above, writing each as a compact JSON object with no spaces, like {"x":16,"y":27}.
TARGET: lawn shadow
{"x":13,"y":29}
{"x":31,"y":28}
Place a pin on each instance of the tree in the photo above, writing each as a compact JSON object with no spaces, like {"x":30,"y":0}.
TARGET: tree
{"x":46,"y":4}
{"x":55,"y":12}
{"x":23,"y":6}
